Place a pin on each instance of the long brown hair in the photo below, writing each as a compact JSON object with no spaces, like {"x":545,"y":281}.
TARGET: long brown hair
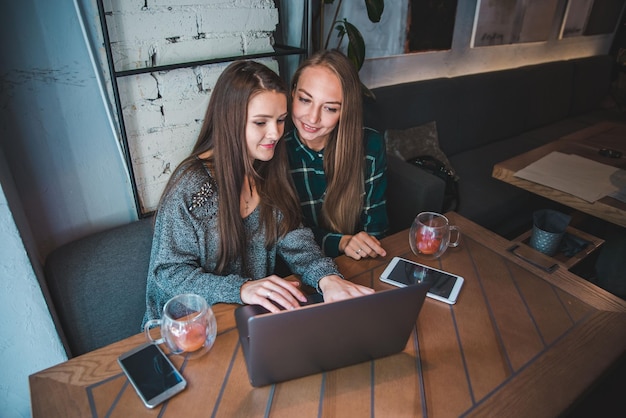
{"x":224,"y":134}
{"x":344,"y":154}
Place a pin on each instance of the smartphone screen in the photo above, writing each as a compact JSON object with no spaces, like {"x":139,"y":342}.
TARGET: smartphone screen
{"x":444,"y":286}
{"x":152,"y":374}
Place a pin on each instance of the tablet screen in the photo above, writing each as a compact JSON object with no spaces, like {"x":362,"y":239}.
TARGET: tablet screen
{"x":409,"y":273}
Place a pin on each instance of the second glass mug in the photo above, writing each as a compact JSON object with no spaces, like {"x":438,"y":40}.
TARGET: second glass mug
{"x":188,"y":325}
{"x":431,"y":235}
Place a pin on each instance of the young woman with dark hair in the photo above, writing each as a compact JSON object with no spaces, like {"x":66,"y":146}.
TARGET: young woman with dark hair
{"x":229,"y":209}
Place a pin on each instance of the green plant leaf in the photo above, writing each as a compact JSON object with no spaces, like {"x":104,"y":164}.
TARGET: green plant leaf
{"x":356,"y":44}
{"x":341,"y":30}
{"x":375,"y":9}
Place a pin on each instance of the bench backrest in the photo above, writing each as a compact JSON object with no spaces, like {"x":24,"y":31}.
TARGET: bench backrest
{"x":97,"y":285}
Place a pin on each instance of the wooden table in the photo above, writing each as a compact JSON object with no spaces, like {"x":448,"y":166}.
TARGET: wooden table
{"x":585,"y":143}
{"x":518,"y":343}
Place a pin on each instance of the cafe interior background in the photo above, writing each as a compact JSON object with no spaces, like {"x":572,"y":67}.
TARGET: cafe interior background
{"x":67,"y":170}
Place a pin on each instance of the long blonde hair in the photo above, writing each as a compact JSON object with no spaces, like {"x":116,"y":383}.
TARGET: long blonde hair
{"x":344,"y":154}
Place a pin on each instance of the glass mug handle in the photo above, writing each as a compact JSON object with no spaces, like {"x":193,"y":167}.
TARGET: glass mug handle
{"x":456,"y":229}
{"x":146,"y":329}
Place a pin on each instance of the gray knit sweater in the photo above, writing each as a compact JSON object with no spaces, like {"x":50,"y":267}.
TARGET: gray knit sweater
{"x":185,"y":245}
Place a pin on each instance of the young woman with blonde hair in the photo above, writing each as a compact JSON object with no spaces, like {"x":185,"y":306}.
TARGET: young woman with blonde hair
{"x":338,"y":166}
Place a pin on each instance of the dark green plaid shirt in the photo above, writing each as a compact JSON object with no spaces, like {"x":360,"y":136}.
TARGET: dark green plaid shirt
{"x":307,"y":171}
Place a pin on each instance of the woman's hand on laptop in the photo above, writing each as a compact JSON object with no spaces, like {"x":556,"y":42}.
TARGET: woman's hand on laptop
{"x":272,"y":291}
{"x":335,"y":288}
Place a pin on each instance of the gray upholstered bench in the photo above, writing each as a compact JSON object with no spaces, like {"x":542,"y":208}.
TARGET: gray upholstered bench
{"x":97,"y":285}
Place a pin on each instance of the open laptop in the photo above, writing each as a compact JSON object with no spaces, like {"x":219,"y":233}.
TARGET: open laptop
{"x":325,"y":336}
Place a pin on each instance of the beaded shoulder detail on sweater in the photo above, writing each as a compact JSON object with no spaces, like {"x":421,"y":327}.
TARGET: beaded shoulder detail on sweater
{"x":201,"y":197}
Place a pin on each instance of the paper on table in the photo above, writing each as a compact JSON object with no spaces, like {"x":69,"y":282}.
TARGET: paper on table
{"x":573,"y":174}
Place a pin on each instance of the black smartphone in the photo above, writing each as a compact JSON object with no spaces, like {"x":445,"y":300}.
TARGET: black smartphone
{"x":611,"y":153}
{"x":152,"y":374}
{"x":445,"y":286}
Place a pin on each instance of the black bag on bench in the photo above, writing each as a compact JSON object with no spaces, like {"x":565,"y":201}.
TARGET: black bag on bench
{"x":451,"y":200}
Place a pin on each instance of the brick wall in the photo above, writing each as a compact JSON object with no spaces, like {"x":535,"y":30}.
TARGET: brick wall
{"x":163,"y":110}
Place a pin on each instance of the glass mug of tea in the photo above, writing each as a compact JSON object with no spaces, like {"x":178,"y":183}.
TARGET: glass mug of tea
{"x":187,"y":326}
{"x":430,"y":235}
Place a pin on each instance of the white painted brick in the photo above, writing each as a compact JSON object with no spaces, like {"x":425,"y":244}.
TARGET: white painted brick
{"x":145,"y":118}
{"x":153,"y":25}
{"x":257,"y":43}
{"x":185,"y":113}
{"x":150,"y":25}
{"x":128,"y":56}
{"x":264,"y":4}
{"x":160,"y":154}
{"x":137,"y":87}
{"x":271,"y":63}
{"x":117,"y":6}
{"x":141,"y":111}
{"x":164,"y":111}
{"x":215,"y":47}
{"x":167,"y":146}
{"x":181,"y":98}
{"x":191,"y":112}
{"x":257,"y":20}
{"x":149,"y":195}
{"x":157,"y":167}
{"x":209,"y":74}
{"x":241,"y":4}
{"x":141,"y":119}
{"x":205,"y":3}
{"x":122,"y":6}
{"x":162,"y":24}
{"x":177,"y":84}
{"x":176,"y":89}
